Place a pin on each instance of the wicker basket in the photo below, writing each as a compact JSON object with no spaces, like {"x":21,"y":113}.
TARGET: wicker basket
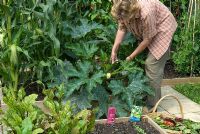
{"x":155,"y":114}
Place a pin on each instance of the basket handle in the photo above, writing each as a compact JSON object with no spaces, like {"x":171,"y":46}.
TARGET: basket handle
{"x":169,"y":95}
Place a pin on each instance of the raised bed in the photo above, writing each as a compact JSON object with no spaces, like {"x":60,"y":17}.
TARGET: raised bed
{"x":123,"y":126}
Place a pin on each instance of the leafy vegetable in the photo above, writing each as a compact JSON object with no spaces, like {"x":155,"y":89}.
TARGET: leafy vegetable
{"x":184,"y":125}
{"x":23,"y":117}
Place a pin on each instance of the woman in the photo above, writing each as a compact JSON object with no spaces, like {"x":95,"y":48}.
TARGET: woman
{"x":153,"y":25}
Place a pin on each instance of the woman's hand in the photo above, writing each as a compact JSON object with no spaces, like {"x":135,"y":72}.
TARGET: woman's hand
{"x":118,"y":39}
{"x":128,"y":58}
{"x":113,"y":57}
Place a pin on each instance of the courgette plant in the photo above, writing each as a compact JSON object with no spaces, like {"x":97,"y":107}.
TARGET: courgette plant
{"x":127,"y":94}
{"x":86,"y":81}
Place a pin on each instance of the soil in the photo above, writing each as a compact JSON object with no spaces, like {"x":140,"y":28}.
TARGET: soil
{"x":124,"y":128}
{"x":170,"y":72}
{"x":34,"y":88}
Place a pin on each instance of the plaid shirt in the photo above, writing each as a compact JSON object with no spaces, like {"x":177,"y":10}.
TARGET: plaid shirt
{"x":154,"y":21}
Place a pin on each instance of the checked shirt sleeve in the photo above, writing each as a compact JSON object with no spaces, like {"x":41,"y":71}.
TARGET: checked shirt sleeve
{"x":149,"y":26}
{"x":122,"y":27}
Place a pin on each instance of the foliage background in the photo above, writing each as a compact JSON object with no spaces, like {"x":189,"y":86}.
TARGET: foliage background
{"x":62,"y":42}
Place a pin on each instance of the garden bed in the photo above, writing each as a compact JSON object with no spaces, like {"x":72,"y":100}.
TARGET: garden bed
{"x":123,"y":126}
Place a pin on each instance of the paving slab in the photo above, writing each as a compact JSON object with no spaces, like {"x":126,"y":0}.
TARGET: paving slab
{"x":192,"y":116}
{"x":191,"y":109}
{"x":165,"y":90}
{"x":172,"y":106}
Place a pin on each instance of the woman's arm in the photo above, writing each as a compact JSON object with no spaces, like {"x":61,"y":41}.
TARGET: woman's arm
{"x":118,"y":39}
{"x":139,"y":49}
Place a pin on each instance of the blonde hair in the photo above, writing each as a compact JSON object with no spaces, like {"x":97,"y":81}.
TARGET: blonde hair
{"x":124,"y":9}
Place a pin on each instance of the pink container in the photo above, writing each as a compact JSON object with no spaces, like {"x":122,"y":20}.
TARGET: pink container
{"x":111,"y":115}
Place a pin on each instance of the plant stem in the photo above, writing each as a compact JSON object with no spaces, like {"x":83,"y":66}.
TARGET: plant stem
{"x":9,"y":29}
{"x":190,"y":13}
{"x":193,"y":36}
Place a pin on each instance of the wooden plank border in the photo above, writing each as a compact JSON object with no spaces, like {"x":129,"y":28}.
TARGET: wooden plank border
{"x":175,"y":81}
{"x":117,"y":120}
{"x":155,"y":125}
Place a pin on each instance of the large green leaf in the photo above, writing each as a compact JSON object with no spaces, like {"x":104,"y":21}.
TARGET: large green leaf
{"x":122,"y":108}
{"x":137,"y":89}
{"x":139,"y":84}
{"x":81,"y":100}
{"x":129,"y":66}
{"x":82,"y":69}
{"x":84,"y":28}
{"x":28,"y":102}
{"x":133,"y":93}
{"x":83,"y":77}
{"x":85,"y":51}
{"x":73,"y":85}
{"x":116,"y":87}
{"x":27,"y":126}
{"x":95,"y":79}
{"x":38,"y":131}
{"x":52,"y":35}
{"x":59,"y":75}
{"x":101,"y":95}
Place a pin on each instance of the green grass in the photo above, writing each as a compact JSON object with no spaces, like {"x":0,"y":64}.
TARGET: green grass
{"x":191,"y":91}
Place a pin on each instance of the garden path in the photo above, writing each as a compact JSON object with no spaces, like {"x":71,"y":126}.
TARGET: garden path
{"x":191,"y":110}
